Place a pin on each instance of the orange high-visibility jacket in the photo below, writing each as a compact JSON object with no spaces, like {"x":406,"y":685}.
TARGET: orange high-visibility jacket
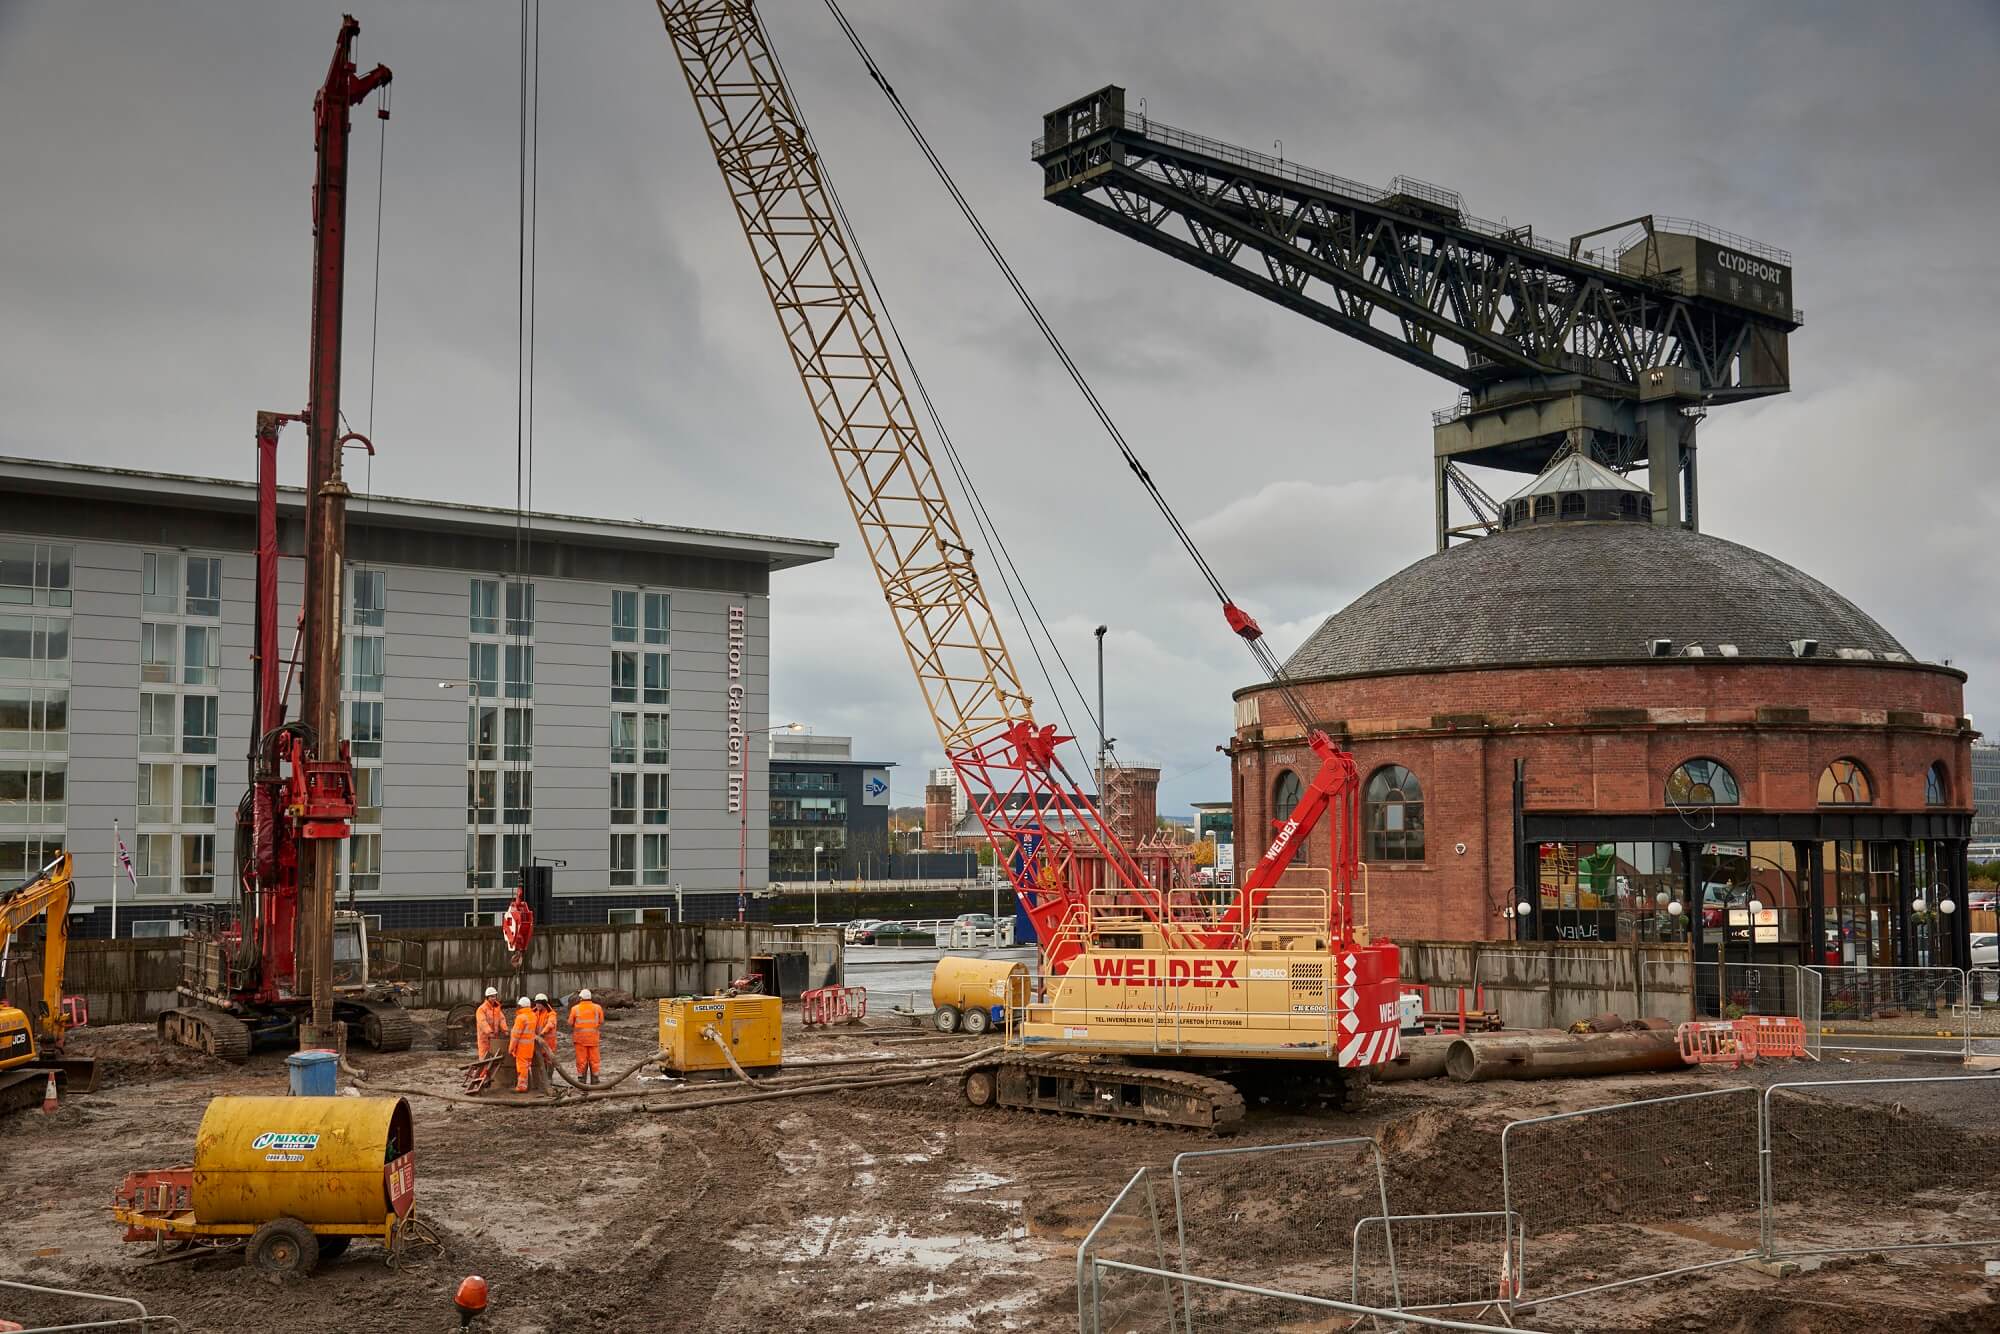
{"x":547,"y":1026}
{"x":492,"y":1019}
{"x":526,"y":1025}
{"x":586,"y":1019}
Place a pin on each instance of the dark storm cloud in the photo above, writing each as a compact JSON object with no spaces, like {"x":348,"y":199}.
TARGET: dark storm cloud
{"x":153,"y":182}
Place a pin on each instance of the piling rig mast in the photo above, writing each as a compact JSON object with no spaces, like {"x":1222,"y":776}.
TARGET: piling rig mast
{"x":1033,"y":812}
{"x":268,"y":970}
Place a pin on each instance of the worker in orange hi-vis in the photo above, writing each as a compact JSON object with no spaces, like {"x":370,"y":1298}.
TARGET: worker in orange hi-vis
{"x":491,"y":1021}
{"x":546,"y":1026}
{"x":586,"y":1028}
{"x":523,"y":1042}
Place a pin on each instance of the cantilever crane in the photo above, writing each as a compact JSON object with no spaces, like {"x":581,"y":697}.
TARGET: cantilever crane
{"x":1616,"y":352}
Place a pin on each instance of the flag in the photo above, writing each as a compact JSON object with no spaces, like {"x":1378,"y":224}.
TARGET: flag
{"x":125,"y":860}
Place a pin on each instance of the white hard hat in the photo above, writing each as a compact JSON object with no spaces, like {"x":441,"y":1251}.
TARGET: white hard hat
{"x":524,"y":1002}
{"x":541,"y":996}
{"x":584,"y":994}
{"x":492,"y":991}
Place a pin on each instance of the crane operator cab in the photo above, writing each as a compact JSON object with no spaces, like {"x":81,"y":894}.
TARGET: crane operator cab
{"x":350,"y":952}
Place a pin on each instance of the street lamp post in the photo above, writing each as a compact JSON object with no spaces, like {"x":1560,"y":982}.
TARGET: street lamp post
{"x":743,"y":814}
{"x":818,"y":848}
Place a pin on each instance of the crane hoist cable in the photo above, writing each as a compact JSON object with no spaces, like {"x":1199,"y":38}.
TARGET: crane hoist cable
{"x":989,"y":530}
{"x":1239,"y":621}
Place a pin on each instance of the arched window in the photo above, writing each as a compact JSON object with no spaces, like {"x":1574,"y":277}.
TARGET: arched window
{"x":1937,"y":786}
{"x":1545,"y":507}
{"x":1572,"y":503}
{"x":1285,"y":796}
{"x":1628,"y":504}
{"x":1393,"y":815}
{"x":1702,"y":783}
{"x":1843,"y":783}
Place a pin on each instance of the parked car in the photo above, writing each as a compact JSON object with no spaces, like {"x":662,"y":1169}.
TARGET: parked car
{"x":895,"y":933}
{"x":974,"y":921}
{"x":851,"y":933}
{"x":1986,"y":949}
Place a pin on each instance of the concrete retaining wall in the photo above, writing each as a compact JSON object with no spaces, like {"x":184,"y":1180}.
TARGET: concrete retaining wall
{"x":1552,"y":984}
{"x":130,"y":981}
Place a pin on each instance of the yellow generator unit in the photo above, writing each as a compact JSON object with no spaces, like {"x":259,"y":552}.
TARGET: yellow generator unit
{"x":704,"y":1035}
{"x":300,"y":1177}
{"x":964,"y":991}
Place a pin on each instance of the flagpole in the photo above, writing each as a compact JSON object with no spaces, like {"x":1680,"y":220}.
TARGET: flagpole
{"x":115,"y":841}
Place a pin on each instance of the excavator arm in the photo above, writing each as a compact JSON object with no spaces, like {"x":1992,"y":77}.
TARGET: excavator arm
{"x":50,"y":892}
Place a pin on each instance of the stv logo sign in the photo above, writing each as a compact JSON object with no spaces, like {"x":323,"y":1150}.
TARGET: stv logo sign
{"x":876,"y":785}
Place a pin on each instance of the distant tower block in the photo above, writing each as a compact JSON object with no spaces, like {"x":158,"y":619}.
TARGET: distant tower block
{"x":1616,"y":353}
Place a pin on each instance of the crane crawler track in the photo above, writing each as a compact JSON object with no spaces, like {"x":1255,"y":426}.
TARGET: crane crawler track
{"x":1112,"y":1091}
{"x":213,"y":1031}
{"x":384,"y":1027}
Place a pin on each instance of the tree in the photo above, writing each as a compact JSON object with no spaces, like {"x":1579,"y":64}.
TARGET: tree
{"x":1204,"y":852}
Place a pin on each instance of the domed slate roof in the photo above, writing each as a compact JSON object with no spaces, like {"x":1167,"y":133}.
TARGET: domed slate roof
{"x":1582,"y":593}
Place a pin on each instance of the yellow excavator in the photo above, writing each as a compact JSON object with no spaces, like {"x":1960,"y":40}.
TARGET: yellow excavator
{"x":31,"y":1045}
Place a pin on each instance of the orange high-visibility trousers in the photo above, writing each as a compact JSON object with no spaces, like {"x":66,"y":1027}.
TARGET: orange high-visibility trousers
{"x":491,"y":1023}
{"x":522,"y":1044}
{"x":588,"y":1056}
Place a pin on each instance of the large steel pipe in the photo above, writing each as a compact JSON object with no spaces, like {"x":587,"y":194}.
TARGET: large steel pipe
{"x":1563,"y":1056}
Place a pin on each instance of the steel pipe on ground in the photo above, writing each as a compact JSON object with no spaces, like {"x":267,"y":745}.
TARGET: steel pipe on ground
{"x":1563,"y":1056}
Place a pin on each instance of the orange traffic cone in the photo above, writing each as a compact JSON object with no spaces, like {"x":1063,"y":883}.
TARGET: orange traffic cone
{"x":49,"y":1094}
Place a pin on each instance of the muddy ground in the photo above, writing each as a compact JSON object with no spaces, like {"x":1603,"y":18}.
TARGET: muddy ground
{"x":893,"y":1209}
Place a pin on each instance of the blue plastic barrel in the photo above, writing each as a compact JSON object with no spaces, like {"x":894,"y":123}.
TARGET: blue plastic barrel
{"x":314,"y":1074}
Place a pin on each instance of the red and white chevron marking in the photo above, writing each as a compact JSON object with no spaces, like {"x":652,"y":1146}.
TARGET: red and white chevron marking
{"x":1365,"y":1049}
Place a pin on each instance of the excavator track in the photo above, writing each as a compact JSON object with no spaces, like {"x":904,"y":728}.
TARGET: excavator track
{"x":1110,"y":1090}
{"x":386,"y":1027}
{"x":212,"y":1031}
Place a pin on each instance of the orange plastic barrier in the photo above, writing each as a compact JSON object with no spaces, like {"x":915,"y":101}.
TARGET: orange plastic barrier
{"x":1774,"y":1035}
{"x":833,"y":1005}
{"x":1721,"y":1043}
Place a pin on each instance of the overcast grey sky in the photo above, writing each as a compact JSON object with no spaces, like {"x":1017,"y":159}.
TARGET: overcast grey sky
{"x":156,"y":161}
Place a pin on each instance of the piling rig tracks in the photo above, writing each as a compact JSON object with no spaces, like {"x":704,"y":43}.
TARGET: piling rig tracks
{"x":1111,"y":1090}
{"x":383,"y":1027}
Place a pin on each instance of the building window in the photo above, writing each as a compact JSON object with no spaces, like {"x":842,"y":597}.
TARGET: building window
{"x":624,"y":616}
{"x":1393,"y":814}
{"x":367,"y":794}
{"x":481,"y":797}
{"x":32,"y":792}
{"x":624,"y":798}
{"x":654,"y":868}
{"x":653,"y":791}
{"x":520,"y":609}
{"x":156,"y":928}
{"x":33,"y":718}
{"x":204,"y":586}
{"x":197,"y":863}
{"x":364,"y":662}
{"x":369,"y":598}
{"x":153,"y":862}
{"x":157,"y":645}
{"x":1702,"y":783}
{"x":516,"y":852}
{"x":624,"y":738}
{"x":1843,"y":783}
{"x":1937,"y":787}
{"x":156,"y":794}
{"x":159,"y":724}
{"x":624,"y":859}
{"x":198,"y":724}
{"x":659,"y":676}
{"x":517,"y":732}
{"x":201,"y":663}
{"x":160,"y":583}
{"x":485,"y":618}
{"x":34,"y":574}
{"x":482,"y":732}
{"x":197,"y":792}
{"x":364,"y":863}
{"x":520,"y":670}
{"x":624,"y":676}
{"x":479,"y":855}
{"x":34,"y":647}
{"x":517,"y":791}
{"x":364,"y":730}
{"x":659,"y":733}
{"x":1285,"y":796}
{"x":482,"y":668}
{"x":659,"y":612}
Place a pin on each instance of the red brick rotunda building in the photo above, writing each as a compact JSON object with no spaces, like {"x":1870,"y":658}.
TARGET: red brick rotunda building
{"x":1605,"y":719}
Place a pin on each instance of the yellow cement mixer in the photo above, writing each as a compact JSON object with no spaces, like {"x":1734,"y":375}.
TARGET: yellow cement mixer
{"x":299,"y":1177}
{"x":965,"y":992}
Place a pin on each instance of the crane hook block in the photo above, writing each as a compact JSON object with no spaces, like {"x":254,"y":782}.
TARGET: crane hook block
{"x":1036,"y":745}
{"x":1241,"y":623}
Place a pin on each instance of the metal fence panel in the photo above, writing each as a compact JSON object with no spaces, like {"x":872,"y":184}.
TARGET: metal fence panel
{"x":1576,"y":1182}
{"x":1880,"y":1164}
{"x":1112,"y":1300}
{"x":1243,"y":1210}
{"x":1431,"y":1262}
{"x":1982,"y":1012}
{"x":1913,"y":1011}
